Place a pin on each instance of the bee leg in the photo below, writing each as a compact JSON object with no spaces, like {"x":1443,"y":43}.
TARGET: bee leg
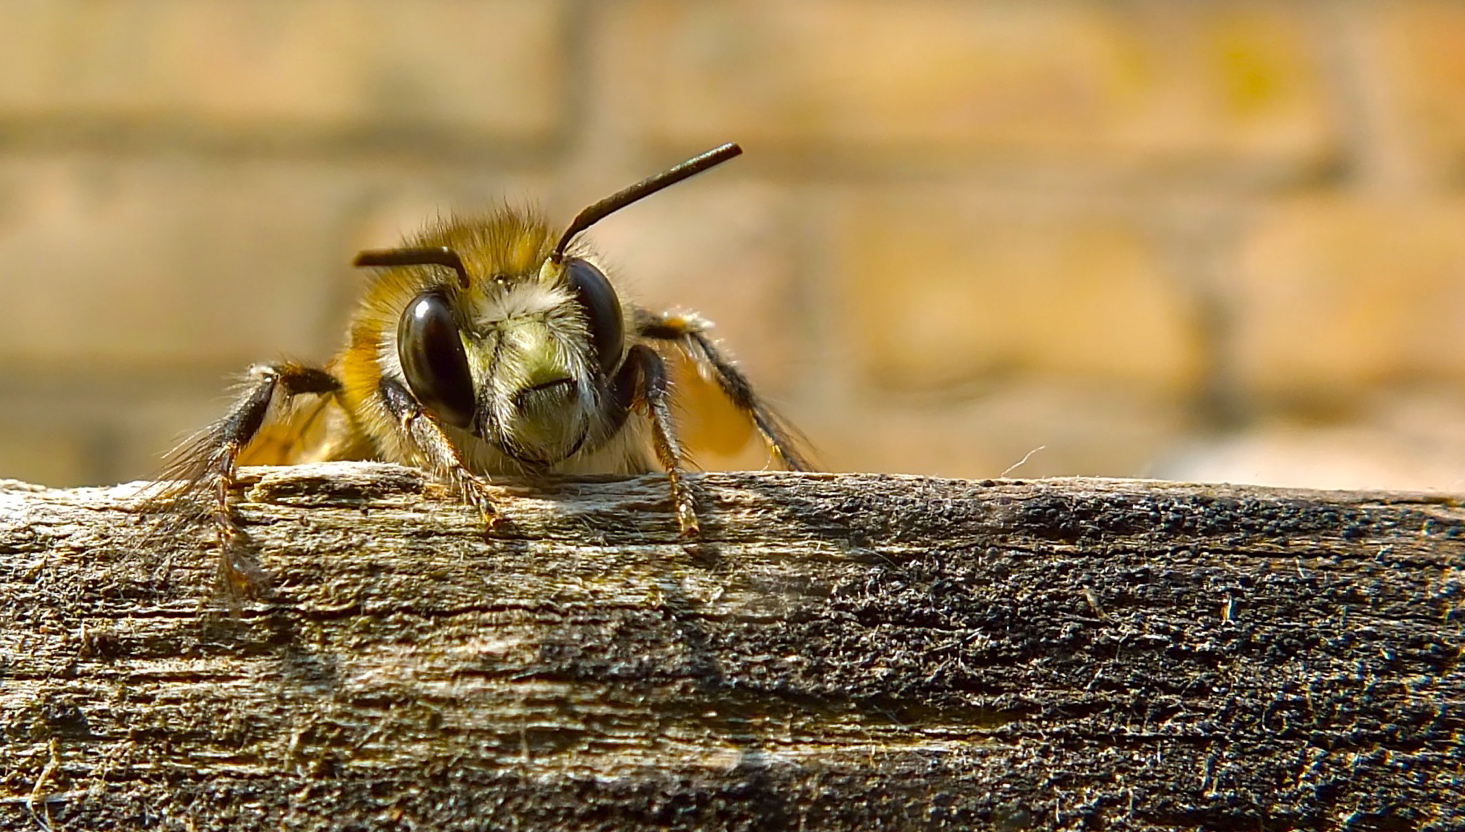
{"x":212,"y":456}
{"x":429,"y":439}
{"x":647,"y":371}
{"x":690,"y":332}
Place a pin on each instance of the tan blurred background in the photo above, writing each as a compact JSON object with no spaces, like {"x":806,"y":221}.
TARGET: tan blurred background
{"x":1217,"y":240}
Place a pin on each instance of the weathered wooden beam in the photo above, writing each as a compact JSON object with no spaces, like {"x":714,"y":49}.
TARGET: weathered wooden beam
{"x":850,"y":652}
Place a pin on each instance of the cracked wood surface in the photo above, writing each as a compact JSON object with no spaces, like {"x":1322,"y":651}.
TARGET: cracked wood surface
{"x":850,"y":652}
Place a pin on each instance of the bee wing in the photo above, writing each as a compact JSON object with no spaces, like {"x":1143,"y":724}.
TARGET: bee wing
{"x":708,"y":423}
{"x":312,"y":429}
{"x":713,"y":430}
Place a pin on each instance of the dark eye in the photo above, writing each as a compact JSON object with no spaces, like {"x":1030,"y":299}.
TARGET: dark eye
{"x":602,"y":311}
{"x":432,"y":357}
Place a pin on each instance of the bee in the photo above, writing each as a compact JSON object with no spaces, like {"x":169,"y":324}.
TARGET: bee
{"x":482,"y":347}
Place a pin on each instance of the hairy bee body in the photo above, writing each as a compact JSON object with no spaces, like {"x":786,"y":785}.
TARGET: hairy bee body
{"x":484,"y":346}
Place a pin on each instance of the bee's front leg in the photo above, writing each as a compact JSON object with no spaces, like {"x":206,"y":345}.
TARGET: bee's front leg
{"x":208,"y":461}
{"x":642,"y":380}
{"x":437,"y":448}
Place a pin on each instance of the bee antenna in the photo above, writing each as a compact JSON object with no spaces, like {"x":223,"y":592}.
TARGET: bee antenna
{"x":443,"y":256}
{"x":646,"y":187}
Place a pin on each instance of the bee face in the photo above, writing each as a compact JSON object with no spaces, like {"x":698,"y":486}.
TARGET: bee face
{"x":523,"y":356}
{"x":518,"y":351}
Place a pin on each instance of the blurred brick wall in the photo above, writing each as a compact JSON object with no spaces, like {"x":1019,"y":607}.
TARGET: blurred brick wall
{"x":1217,"y":240}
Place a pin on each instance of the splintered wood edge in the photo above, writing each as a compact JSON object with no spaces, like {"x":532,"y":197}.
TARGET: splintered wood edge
{"x":834,"y":510}
{"x":363,"y":482}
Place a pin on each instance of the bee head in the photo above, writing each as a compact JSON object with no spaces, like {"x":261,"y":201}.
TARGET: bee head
{"x":519,"y":348}
{"x":518,"y":351}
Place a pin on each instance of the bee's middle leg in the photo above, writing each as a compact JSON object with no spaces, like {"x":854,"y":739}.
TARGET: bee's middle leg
{"x":214,"y":454}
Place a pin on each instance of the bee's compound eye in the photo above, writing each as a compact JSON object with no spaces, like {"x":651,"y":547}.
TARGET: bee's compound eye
{"x":602,"y":311}
{"x":432,"y":357}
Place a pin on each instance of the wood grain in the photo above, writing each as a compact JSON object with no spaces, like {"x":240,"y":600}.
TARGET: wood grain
{"x":848,"y":652}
